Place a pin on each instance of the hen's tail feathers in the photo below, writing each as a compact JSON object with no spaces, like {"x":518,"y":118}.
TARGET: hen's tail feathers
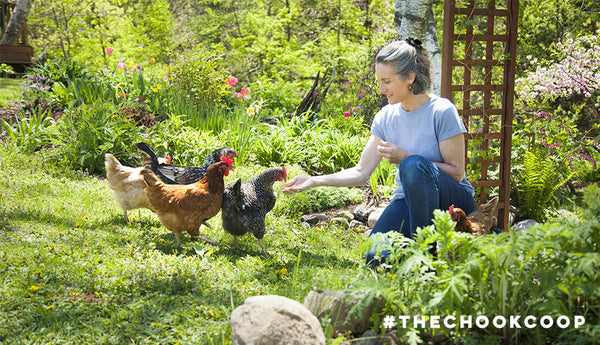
{"x":149,"y":177}
{"x":111,"y":163}
{"x":150,"y":159}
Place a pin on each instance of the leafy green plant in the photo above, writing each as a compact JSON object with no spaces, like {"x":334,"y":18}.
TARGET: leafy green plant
{"x":546,"y":270}
{"x":5,"y":69}
{"x":274,"y":144}
{"x":537,"y":183}
{"x":29,"y":132}
{"x":315,"y":199}
{"x":199,"y":74}
{"x":89,"y":131}
{"x":59,"y":71}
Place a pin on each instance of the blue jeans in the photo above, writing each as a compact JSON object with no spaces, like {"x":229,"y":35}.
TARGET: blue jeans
{"x":426,"y":188}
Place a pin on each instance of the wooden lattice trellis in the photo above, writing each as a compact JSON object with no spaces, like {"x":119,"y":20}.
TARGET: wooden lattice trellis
{"x":478,"y":68}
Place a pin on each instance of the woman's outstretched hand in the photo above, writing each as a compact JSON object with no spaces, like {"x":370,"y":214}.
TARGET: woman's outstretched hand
{"x":393,"y":153}
{"x":297,"y":184}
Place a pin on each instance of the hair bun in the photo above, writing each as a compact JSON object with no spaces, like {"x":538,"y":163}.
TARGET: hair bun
{"x":415,"y":43}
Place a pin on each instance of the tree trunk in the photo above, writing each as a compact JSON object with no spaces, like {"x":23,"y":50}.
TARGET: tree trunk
{"x":17,"y":22}
{"x":414,"y":18}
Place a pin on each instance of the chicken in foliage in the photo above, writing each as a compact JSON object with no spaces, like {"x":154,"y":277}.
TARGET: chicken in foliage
{"x":245,"y":205}
{"x":183,"y":208}
{"x":478,"y":222}
{"x":176,"y":174}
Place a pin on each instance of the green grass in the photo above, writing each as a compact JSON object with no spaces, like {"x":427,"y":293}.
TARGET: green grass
{"x":10,"y":91}
{"x":72,"y":271}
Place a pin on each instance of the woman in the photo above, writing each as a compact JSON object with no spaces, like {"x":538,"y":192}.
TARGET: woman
{"x":419,"y":132}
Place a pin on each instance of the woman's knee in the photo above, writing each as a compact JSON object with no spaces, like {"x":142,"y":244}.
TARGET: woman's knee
{"x":413,"y":167}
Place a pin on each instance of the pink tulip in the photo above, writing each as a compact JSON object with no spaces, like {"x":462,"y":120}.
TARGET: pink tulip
{"x":109,"y":50}
{"x":121,"y":66}
{"x":232,"y":81}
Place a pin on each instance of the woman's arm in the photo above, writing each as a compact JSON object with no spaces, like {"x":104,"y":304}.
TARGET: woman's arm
{"x":453,"y":154}
{"x":354,"y":176}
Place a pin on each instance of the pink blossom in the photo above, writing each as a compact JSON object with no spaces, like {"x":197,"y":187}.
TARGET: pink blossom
{"x":231,"y":81}
{"x":109,"y":50}
{"x":244,"y":91}
{"x":121,"y":65}
{"x":237,"y":95}
{"x":347,"y":114}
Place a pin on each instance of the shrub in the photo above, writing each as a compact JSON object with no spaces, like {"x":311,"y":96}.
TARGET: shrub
{"x":571,"y":82}
{"x":89,"y":131}
{"x":199,"y":74}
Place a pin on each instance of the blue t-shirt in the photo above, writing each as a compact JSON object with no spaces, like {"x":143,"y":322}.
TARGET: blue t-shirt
{"x":419,"y":131}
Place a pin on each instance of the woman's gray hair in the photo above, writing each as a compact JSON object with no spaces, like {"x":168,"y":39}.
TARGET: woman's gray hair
{"x":407,"y":59}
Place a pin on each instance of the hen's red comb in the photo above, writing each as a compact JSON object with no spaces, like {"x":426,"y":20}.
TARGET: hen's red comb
{"x":227,"y":160}
{"x":451,"y":209}
{"x":284,"y":171}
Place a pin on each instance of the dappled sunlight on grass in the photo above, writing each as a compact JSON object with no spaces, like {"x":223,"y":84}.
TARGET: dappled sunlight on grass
{"x":73,"y":269}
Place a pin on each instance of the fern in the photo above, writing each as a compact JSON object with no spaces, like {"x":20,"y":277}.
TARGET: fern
{"x":538,"y":183}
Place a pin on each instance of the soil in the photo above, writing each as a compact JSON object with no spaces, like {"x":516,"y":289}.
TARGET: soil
{"x":10,"y":113}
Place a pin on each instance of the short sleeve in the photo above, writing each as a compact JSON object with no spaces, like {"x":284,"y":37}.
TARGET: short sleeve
{"x":447,"y":122}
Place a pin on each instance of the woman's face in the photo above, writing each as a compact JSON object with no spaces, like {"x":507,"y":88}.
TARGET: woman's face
{"x":390,"y":84}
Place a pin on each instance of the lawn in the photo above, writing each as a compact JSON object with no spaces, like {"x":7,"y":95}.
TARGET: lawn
{"x":10,"y":90}
{"x":74,"y":272}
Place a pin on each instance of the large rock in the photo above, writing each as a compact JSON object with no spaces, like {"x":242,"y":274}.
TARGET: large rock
{"x":273,"y":320}
{"x":335,"y":305}
{"x":524,"y":225}
{"x":374,"y":217}
{"x":314,"y":218}
{"x":361,"y":213}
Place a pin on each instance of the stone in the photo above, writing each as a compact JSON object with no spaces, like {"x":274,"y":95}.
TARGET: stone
{"x":361,"y":213}
{"x":566,"y":214}
{"x":345,"y":214}
{"x":270,"y":320}
{"x":340,"y":220}
{"x":374,"y":217}
{"x":355,"y":224}
{"x":336,"y":305}
{"x":314,"y":218}
{"x":524,"y":225}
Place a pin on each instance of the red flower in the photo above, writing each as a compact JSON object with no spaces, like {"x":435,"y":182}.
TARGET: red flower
{"x":109,"y":50}
{"x":347,"y":114}
{"x":244,"y":91}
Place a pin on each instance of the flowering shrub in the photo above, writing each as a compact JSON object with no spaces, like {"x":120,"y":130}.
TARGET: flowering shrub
{"x":573,"y":82}
{"x":577,"y":73}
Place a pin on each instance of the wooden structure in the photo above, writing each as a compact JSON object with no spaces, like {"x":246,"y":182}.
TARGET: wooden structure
{"x":478,"y":69}
{"x":19,"y":55}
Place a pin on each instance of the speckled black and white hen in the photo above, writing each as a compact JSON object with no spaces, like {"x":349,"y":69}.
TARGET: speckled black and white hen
{"x":245,"y":205}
